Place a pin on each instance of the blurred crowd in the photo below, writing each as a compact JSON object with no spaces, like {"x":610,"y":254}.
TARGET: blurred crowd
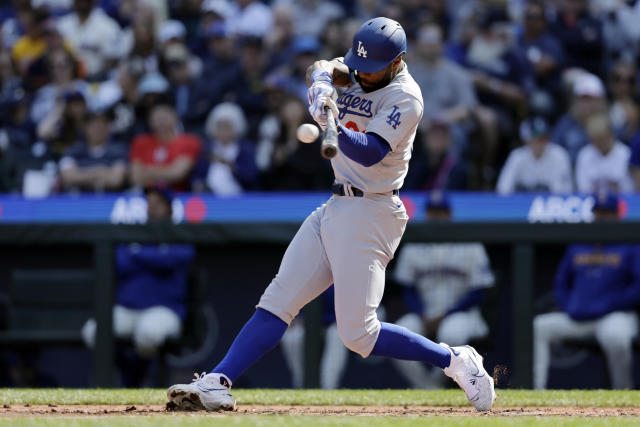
{"x":206,"y":95}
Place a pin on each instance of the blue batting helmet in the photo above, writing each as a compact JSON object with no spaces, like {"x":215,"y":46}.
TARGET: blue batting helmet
{"x":378,"y":42}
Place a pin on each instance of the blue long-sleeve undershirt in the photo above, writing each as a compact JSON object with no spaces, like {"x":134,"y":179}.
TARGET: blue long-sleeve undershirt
{"x":364,"y":148}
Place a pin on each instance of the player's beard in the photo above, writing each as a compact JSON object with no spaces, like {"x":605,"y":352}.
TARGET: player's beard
{"x":388,"y":76}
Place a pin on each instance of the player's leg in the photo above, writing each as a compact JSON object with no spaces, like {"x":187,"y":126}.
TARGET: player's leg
{"x":615,"y":333}
{"x":334,"y":359}
{"x":360,"y":239}
{"x":547,"y":329}
{"x":415,"y":373}
{"x":292,"y":345}
{"x":303,"y":275}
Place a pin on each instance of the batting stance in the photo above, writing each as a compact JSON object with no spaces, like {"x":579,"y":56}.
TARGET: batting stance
{"x":349,"y":240}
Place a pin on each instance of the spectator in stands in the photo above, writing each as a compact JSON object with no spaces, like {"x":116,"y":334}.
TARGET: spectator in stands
{"x":588,"y":100}
{"x":140,"y":41}
{"x":543,"y":51}
{"x":221,"y":63}
{"x":247,"y":88}
{"x":281,"y":39}
{"x":434,"y":164}
{"x":451,"y":96}
{"x":250,"y":18}
{"x":539,"y":165}
{"x":580,"y":34}
{"x":619,"y":29}
{"x":94,"y":36}
{"x":503,"y":80}
{"x":230,"y":165}
{"x":153,"y":89}
{"x":151,"y":293}
{"x":597,"y":290}
{"x":65,"y":78}
{"x":94,"y":164}
{"x":16,"y":136}
{"x":166,"y":156}
{"x":65,"y":124}
{"x":191,"y":101}
{"x":623,"y":111}
{"x":311,"y":16}
{"x":445,"y":284}
{"x":603,"y":165}
{"x":32,"y":44}
{"x":118,"y":96}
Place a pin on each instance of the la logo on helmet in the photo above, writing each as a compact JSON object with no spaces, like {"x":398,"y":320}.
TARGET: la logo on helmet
{"x":361,"y":51}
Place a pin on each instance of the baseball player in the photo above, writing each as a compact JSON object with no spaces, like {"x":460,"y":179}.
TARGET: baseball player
{"x":350,"y":239}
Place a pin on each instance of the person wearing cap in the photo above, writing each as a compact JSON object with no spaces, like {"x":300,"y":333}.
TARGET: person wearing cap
{"x":538,"y":165}
{"x":151,"y":293}
{"x":94,"y":35}
{"x":588,"y":99}
{"x":597,"y":292}
{"x":95,"y":164}
{"x":444,"y":283}
{"x":452,"y":95}
{"x":603,"y":164}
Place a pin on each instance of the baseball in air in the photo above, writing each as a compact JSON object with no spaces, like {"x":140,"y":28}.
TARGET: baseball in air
{"x":307,"y":133}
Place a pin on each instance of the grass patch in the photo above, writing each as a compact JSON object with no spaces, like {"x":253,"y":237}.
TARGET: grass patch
{"x":286,"y":421}
{"x":449,"y":397}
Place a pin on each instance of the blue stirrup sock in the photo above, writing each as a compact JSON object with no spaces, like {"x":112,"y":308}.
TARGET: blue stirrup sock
{"x":400,"y":343}
{"x":260,"y":334}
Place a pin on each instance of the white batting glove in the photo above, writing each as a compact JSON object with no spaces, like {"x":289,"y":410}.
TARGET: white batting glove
{"x":320,"y":90}
{"x":329,"y":102}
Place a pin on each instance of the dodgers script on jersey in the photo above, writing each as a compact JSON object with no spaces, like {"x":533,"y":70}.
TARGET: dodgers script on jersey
{"x":392,"y":113}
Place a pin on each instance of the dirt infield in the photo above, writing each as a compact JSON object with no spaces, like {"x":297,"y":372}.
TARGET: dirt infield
{"x":147,"y":410}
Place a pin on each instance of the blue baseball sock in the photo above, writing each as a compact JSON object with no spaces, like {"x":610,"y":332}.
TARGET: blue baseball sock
{"x":400,"y":343}
{"x":259,"y":335}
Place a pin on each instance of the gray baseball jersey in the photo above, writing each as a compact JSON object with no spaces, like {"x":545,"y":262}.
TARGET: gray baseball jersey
{"x":392,"y":113}
{"x":350,"y":240}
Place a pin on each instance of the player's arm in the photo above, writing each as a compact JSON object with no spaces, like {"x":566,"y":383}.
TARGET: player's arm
{"x":364,"y":148}
{"x":334,"y":68}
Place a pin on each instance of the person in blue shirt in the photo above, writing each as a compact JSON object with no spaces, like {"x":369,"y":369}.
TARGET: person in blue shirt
{"x":541,"y":49}
{"x":151,"y":293}
{"x":597,"y":289}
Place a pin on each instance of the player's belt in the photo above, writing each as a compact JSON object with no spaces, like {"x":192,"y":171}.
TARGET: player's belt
{"x":339,"y":190}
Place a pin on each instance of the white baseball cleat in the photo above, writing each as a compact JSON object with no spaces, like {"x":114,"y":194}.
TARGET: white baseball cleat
{"x":210,"y":392}
{"x":467,"y":370}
